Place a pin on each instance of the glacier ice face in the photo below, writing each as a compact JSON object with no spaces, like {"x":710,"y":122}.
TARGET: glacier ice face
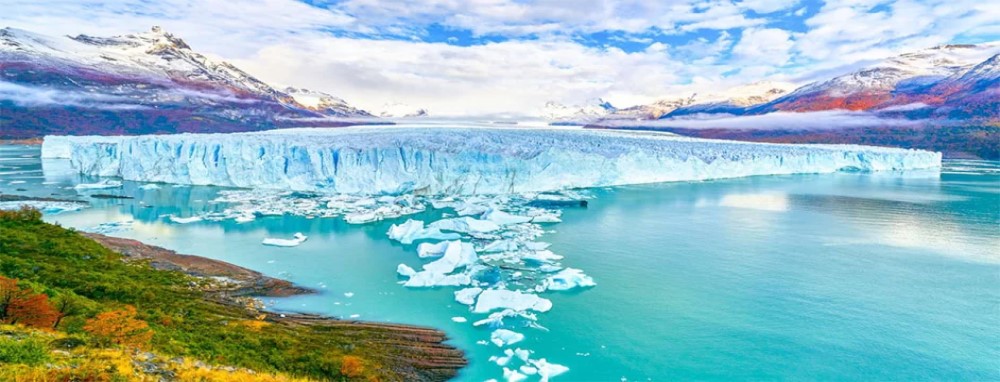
{"x":458,"y":160}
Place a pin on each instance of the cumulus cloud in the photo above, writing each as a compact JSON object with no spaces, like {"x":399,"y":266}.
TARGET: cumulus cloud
{"x":371,"y":52}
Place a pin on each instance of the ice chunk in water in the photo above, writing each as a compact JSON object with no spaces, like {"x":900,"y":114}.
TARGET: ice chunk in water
{"x":465,"y":225}
{"x":467,"y":296}
{"x":180,"y":220}
{"x":296,"y":239}
{"x":424,"y":279}
{"x":503,"y":218}
{"x":413,"y":230}
{"x":504,"y":337}
{"x":405,"y":270}
{"x":548,"y":370}
{"x":99,"y":185}
{"x":568,"y":278}
{"x":456,"y":254}
{"x":513,"y":375}
{"x":507,"y":299}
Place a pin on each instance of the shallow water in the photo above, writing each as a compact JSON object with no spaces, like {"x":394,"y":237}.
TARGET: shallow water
{"x":839,"y":276}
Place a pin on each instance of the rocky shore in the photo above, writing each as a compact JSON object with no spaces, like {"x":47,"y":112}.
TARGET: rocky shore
{"x":415,"y":353}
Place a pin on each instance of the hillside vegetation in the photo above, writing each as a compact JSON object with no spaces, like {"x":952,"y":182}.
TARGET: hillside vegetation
{"x":74,"y":310}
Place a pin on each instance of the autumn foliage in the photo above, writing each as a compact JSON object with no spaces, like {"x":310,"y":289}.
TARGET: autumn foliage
{"x":352,"y":367}
{"x":120,"y":327}
{"x":22,"y":306}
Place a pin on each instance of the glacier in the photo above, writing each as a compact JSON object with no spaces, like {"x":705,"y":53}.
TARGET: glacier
{"x":455,"y":160}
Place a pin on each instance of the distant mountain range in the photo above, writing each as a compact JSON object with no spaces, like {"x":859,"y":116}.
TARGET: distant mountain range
{"x":956,"y":82}
{"x":150,"y":82}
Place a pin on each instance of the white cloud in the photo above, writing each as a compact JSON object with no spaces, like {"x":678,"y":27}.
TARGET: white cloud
{"x":768,"y":46}
{"x":321,"y":47}
{"x":512,"y":76}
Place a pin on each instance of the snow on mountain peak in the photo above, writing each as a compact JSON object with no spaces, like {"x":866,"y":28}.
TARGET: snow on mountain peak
{"x":591,"y":110}
{"x":401,"y":110}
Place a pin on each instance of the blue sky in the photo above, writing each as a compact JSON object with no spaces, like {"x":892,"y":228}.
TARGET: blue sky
{"x":457,"y":57}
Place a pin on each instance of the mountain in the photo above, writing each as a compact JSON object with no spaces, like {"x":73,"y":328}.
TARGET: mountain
{"x":593,"y":110}
{"x":401,"y":110}
{"x":324,"y":103}
{"x":732,"y":101}
{"x":938,"y":82}
{"x":150,"y":82}
{"x":943,"y":82}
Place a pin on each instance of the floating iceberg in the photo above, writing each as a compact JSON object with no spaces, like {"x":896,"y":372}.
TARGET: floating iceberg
{"x":405,"y":270}
{"x":566,"y":279}
{"x":459,"y":160}
{"x":427,"y":279}
{"x":455,"y":254}
{"x":413,"y":230}
{"x":467,"y":296}
{"x":548,"y":370}
{"x":503,"y":218}
{"x":296,"y":239}
{"x":506,"y":299}
{"x":504,"y":337}
{"x":465,"y":224}
{"x":104,"y":184}
{"x":513,"y":375}
{"x":180,"y":220}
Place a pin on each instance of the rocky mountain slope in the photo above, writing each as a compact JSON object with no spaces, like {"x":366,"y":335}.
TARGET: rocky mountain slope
{"x":150,"y":82}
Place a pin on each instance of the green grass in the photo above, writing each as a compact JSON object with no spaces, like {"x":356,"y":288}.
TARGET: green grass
{"x":58,"y":261}
{"x":28,"y":351}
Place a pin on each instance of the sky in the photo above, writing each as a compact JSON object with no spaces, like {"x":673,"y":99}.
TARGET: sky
{"x":509,"y":57}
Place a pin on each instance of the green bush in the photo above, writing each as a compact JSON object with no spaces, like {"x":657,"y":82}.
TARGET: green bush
{"x":27,"y":351}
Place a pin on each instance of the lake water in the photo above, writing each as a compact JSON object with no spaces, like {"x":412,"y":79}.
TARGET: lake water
{"x":844,"y":276}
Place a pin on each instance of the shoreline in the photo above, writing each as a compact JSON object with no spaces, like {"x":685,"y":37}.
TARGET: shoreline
{"x":430,"y":359}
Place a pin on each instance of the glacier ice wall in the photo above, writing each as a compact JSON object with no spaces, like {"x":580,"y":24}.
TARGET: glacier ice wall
{"x":393,"y":160}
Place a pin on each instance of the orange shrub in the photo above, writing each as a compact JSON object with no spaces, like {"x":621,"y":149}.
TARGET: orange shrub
{"x":352,"y":366}
{"x":33,"y":310}
{"x":120,"y":327}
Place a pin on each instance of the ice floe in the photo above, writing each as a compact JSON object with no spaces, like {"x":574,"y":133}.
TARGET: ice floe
{"x":187,"y":220}
{"x":297,"y":239}
{"x":567,"y":279}
{"x":504,"y":337}
{"x":413,"y":230}
{"x":493,"y":299}
{"x":467,"y":296}
{"x":465,"y":224}
{"x":103,"y":184}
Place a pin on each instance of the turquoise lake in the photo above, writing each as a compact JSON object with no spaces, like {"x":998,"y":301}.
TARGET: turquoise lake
{"x":847,"y":276}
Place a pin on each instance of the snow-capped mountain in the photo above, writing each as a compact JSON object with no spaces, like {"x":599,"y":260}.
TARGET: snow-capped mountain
{"x":401,"y":110}
{"x":733,"y":101}
{"x":152,"y":81}
{"x":920,"y":77}
{"x":654,"y":110}
{"x":324,"y":103}
{"x":590,"y":111}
